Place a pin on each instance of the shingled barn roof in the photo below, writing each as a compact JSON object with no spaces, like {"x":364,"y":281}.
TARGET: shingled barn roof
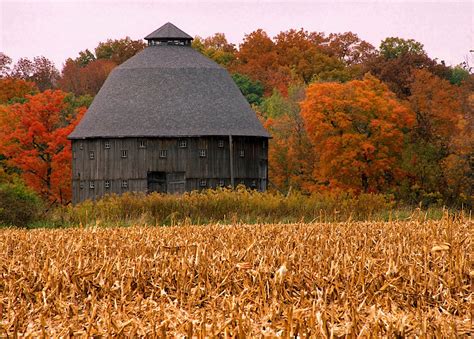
{"x":168,"y":31}
{"x":167,"y":91}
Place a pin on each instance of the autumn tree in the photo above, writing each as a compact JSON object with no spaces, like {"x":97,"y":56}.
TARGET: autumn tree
{"x":87,"y":79}
{"x":349,"y":48}
{"x":217,"y":48}
{"x":33,"y":138}
{"x":397,"y":59}
{"x":5,"y":62}
{"x":443,"y":139}
{"x":41,"y":71}
{"x":257,"y":58}
{"x":357,"y":129}
{"x":15,"y":90}
{"x":291,"y":155}
{"x":118,"y":50}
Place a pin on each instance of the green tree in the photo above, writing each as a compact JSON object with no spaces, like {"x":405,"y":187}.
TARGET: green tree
{"x":252,"y":90}
{"x":393,"y":47}
{"x":119,"y":50}
{"x":217,"y":48}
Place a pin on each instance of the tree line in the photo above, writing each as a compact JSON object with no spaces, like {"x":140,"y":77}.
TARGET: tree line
{"x":344,"y":115}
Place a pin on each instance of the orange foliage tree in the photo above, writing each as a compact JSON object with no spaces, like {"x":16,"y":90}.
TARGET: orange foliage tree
{"x":258,"y":58}
{"x":442,"y":122}
{"x":11,"y":88}
{"x":357,"y":130}
{"x":33,"y":138}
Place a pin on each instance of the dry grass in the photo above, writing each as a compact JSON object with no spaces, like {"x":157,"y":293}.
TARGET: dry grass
{"x":321,"y":280}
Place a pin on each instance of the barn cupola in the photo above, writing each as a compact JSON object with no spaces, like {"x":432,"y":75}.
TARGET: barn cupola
{"x":169,"y":34}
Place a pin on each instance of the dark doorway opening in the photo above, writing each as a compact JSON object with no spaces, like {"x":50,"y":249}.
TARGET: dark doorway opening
{"x":162,"y":182}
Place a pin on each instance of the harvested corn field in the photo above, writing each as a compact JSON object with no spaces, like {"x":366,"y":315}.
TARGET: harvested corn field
{"x":408,"y":278}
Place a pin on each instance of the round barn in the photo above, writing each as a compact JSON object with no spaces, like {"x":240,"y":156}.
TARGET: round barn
{"x":168,"y":120}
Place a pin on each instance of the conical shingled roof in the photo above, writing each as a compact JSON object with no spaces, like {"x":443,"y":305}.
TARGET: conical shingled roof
{"x":167,"y":91}
{"x":168,"y":31}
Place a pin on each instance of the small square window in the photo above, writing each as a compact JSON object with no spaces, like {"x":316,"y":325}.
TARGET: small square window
{"x":163,"y":153}
{"x":222,"y":183}
{"x":242,"y":153}
{"x":142,"y":144}
{"x":124,"y":153}
{"x":91,"y":185}
{"x":107,"y":145}
{"x":203,"y":182}
{"x":91,"y":155}
{"x":124,"y":184}
{"x":81,"y":146}
{"x":202,"y":153}
{"x":107,"y":184}
{"x":182,"y":143}
{"x":81,"y":185}
{"x":220,"y":143}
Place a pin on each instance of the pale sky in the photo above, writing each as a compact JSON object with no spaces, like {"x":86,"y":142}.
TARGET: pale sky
{"x":60,"y":29}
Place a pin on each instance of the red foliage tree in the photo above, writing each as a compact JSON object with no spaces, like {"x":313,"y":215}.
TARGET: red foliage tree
{"x":33,"y":138}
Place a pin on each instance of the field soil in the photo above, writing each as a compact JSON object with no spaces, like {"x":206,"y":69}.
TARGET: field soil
{"x":409,"y":278}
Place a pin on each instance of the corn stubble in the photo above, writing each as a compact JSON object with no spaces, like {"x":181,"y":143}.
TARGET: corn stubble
{"x":320,"y":280}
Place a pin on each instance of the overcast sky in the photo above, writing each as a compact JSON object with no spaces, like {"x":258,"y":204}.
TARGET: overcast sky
{"x":60,"y":29}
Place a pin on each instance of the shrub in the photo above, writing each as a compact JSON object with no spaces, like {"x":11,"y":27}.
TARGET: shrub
{"x":19,"y":205}
{"x":224,"y":206}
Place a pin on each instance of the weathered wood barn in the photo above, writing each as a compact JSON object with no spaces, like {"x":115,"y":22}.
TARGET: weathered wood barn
{"x":168,"y":120}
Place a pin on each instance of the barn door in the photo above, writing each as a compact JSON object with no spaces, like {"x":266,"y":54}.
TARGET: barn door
{"x":262,"y":173}
{"x":156,"y":182}
{"x":176,"y":182}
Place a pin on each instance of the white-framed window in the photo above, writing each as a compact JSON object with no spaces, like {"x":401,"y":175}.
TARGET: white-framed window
{"x":124,"y":183}
{"x":183,"y":143}
{"x":81,"y":184}
{"x":242,"y":153}
{"x":220,"y":143}
{"x":142,"y":143}
{"x":124,"y":153}
{"x":91,"y":185}
{"x":107,"y":145}
{"x":203,"y":182}
{"x":202,"y":153}
{"x":163,"y":153}
{"x":91,"y":155}
{"x":221,"y":182}
{"x":107,"y":184}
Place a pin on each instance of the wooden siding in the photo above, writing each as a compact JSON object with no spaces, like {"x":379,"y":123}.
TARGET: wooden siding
{"x":108,"y":163}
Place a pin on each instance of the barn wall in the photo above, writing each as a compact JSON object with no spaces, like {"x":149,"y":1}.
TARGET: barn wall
{"x":108,"y":163}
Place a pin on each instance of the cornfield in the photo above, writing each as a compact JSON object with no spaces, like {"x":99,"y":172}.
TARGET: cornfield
{"x":402,"y":278}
